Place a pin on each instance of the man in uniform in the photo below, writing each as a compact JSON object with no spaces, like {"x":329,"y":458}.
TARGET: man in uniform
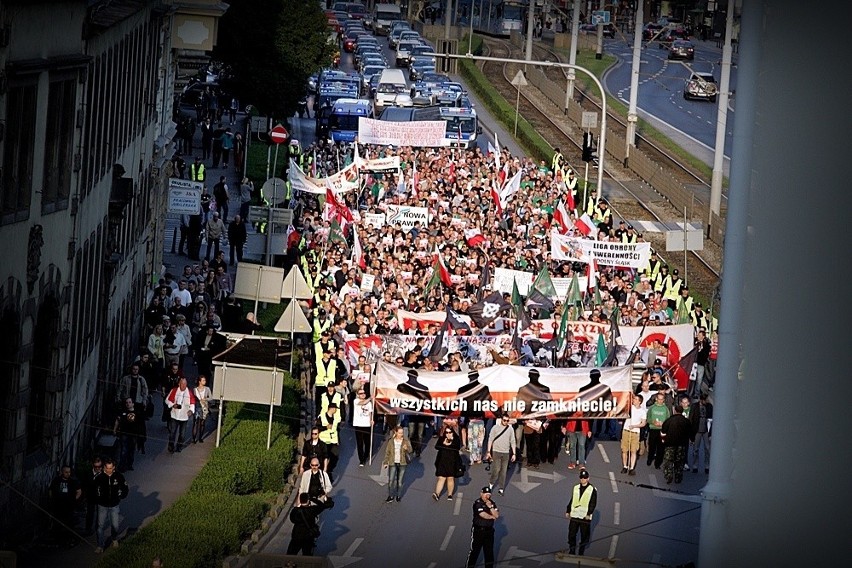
{"x":328,"y":424}
{"x":485,"y":512}
{"x":584,"y":499}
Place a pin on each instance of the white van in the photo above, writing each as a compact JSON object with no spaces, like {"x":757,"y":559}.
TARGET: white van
{"x":391,"y":84}
{"x":383,"y":15}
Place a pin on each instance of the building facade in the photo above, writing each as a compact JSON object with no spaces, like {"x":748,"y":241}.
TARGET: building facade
{"x":86,"y":103}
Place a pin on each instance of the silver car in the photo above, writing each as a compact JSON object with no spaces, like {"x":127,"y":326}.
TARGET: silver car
{"x":701,"y":86}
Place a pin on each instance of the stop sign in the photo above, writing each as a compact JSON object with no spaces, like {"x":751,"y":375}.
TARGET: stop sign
{"x":278,"y":134}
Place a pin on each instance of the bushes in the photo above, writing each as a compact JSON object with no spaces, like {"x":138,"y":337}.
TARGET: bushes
{"x":227,"y":500}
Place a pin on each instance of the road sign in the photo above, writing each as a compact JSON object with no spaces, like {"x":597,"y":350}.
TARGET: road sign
{"x":278,"y":134}
{"x":600,"y":17}
{"x":257,"y":214}
{"x":589,"y":119}
{"x":273,"y":190}
{"x":185,"y":196}
{"x":259,"y":123}
{"x":295,"y":286}
{"x":293,"y":320}
{"x":519,"y":79}
{"x":280,"y":215}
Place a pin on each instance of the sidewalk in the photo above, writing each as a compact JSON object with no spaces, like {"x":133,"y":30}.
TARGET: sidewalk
{"x":158,"y":478}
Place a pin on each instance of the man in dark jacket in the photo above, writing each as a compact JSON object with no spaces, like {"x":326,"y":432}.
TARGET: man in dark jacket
{"x":701,"y":417}
{"x":305,"y":527}
{"x":65,"y":492}
{"x":109,"y":489}
{"x":676,"y":432}
{"x":237,"y":238}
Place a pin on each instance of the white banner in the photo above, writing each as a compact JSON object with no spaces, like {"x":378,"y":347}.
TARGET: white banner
{"x":185,"y":196}
{"x":577,"y":249}
{"x":407,"y":216}
{"x":418,"y":133}
{"x":377,"y":220}
{"x":367,"y":282}
{"x":344,"y":180}
{"x":503,"y":278}
{"x":520,"y":392}
{"x":378,"y":165}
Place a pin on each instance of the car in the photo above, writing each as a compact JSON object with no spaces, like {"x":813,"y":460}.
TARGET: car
{"x":365,"y":49}
{"x":592,"y":29}
{"x":367,"y":73}
{"x":403,"y":52}
{"x":356,"y":10}
{"x":372,"y":59}
{"x":374,"y":84}
{"x":431,"y":80}
{"x":669,"y":35}
{"x":682,"y":49}
{"x":410,"y":35}
{"x":419,"y":65}
{"x":650,"y":30}
{"x":350,"y":41}
{"x":701,"y":86}
{"x":396,"y":30}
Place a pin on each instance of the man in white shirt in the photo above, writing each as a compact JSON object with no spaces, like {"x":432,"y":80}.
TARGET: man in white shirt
{"x":630,"y":436}
{"x":181,"y":402}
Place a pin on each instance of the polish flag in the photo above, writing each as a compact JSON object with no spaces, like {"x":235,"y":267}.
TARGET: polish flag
{"x":358,"y":252}
{"x":340,"y":209}
{"x":560,"y":216}
{"x":474,"y":237}
{"x":569,"y":197}
{"x":495,"y":195}
{"x":585,"y":225}
{"x":592,"y":274}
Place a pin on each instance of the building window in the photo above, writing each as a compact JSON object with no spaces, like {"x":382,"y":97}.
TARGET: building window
{"x":16,"y":183}
{"x":59,"y":144}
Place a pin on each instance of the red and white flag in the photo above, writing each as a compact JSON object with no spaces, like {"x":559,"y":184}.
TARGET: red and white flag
{"x":339,"y":209}
{"x":560,"y":216}
{"x":585,"y":225}
{"x":474,"y":237}
{"x":495,"y":195}
{"x":442,"y":269}
{"x":592,"y":274}
{"x":358,"y":252}
{"x":511,"y":188}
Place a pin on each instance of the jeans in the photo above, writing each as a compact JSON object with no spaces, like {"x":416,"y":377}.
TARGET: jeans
{"x":396,"y":472}
{"x":214,"y":243}
{"x":417,"y":431}
{"x":177,"y":438}
{"x":107,"y":515}
{"x":701,"y":437}
{"x":128,"y":449}
{"x":499,"y":464}
{"x":576,"y":447}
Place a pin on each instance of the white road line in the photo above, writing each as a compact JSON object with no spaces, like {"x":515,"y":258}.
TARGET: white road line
{"x":603,"y":453}
{"x":612,"y":546}
{"x":450,"y":530}
{"x":457,"y":505}
{"x":612,"y":482}
{"x":616,"y":514}
{"x":353,"y":547}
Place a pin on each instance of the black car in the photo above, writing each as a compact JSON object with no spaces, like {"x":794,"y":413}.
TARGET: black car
{"x":592,"y":29}
{"x":650,"y":30}
{"x":701,"y":86}
{"x":682,"y":49}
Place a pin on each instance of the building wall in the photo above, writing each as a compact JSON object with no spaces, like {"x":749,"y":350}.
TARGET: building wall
{"x":78,"y":99}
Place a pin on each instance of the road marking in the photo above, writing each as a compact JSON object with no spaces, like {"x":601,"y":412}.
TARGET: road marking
{"x":612,"y":546}
{"x":515,"y":552}
{"x":603,"y":453}
{"x":612,"y":482}
{"x":525,"y":485}
{"x":457,"y":505}
{"x":346,"y":558}
{"x":450,"y":530}
{"x":616,"y":514}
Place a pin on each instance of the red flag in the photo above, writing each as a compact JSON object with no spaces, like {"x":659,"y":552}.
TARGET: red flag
{"x":358,"y":252}
{"x":592,"y":274}
{"x":569,"y":198}
{"x":339,"y":209}
{"x":496,"y":197}
{"x":442,"y":269}
{"x":474,"y":237}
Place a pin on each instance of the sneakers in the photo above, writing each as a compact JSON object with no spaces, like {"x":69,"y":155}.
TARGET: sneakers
{"x":398,"y":498}
{"x":389,"y":499}
{"x":581,"y":465}
{"x":500,"y":491}
{"x":686,"y":467}
{"x":435,"y":497}
{"x":624,"y":469}
{"x":571,"y":466}
{"x":449,"y":497}
{"x":360,"y":465}
{"x":99,"y":550}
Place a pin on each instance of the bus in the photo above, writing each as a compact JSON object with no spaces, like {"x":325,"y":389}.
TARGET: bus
{"x":391,"y":84}
{"x":345,"y":113}
{"x":462,"y":127}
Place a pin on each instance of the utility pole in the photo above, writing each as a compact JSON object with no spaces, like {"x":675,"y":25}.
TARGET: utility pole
{"x":721,"y":122}
{"x":632,"y":118}
{"x":448,"y":16}
{"x":572,"y":54}
{"x":530,"y":29}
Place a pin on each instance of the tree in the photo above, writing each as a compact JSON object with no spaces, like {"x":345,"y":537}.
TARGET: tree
{"x":270,"y":48}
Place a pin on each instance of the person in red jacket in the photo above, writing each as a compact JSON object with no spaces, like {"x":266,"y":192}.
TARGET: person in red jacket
{"x":181,"y":403}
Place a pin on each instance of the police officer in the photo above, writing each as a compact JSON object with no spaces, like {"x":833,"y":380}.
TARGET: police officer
{"x":485,"y":512}
{"x":558,"y":158}
{"x":652,"y":269}
{"x":584,"y":499}
{"x":328,"y":424}
{"x":326,"y":373}
{"x":672,"y":289}
{"x":196,"y":170}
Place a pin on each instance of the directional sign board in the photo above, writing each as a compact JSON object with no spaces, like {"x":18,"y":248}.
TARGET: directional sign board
{"x":589,"y":119}
{"x":293,"y":320}
{"x":257,"y":282}
{"x":259,"y":123}
{"x":519,"y":80}
{"x":257,"y":214}
{"x":278,"y":134}
{"x":185,"y":196}
{"x":600,"y":17}
{"x":295,"y":285}
{"x":280,"y":215}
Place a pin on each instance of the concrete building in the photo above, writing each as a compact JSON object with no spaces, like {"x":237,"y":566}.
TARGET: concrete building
{"x":86,"y":102}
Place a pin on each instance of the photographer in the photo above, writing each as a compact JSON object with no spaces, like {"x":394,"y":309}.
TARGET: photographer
{"x":305,"y":527}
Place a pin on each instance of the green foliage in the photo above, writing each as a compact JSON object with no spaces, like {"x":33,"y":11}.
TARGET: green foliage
{"x":271,"y":47}
{"x":228,"y":498}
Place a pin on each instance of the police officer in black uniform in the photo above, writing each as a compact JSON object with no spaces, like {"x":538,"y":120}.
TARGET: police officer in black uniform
{"x":485,"y":512}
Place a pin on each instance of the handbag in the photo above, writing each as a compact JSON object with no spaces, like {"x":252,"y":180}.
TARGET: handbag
{"x":460,"y":470}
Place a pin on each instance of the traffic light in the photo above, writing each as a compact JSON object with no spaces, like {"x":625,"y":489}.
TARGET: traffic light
{"x":587,"y":146}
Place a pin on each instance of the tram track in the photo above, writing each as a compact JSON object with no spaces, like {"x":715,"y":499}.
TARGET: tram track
{"x":703,"y":273}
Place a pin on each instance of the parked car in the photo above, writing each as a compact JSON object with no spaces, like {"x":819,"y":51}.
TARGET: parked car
{"x":682,"y":49}
{"x":701,"y":86}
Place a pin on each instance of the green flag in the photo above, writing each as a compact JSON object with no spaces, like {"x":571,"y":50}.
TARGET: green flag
{"x":335,"y":234}
{"x":563,"y":326}
{"x":682,"y":313}
{"x":574,"y":297}
{"x":516,"y":297}
{"x":598,"y":300}
{"x":434,"y":280}
{"x":600,"y":356}
{"x":544,"y":284}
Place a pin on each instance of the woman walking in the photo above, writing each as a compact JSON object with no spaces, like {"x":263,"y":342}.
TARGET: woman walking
{"x":362,"y":421}
{"x":397,"y":452}
{"x":447,"y":462}
{"x":202,"y":395}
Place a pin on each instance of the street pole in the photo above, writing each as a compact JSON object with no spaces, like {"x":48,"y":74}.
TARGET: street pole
{"x":572,"y":54}
{"x":530,"y":29}
{"x":470,"y":33}
{"x":448,"y":15}
{"x":560,"y":65}
{"x":599,"y":48}
{"x":632,"y":118}
{"x":269,"y":211}
{"x":517,"y":106}
{"x":721,"y":122}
